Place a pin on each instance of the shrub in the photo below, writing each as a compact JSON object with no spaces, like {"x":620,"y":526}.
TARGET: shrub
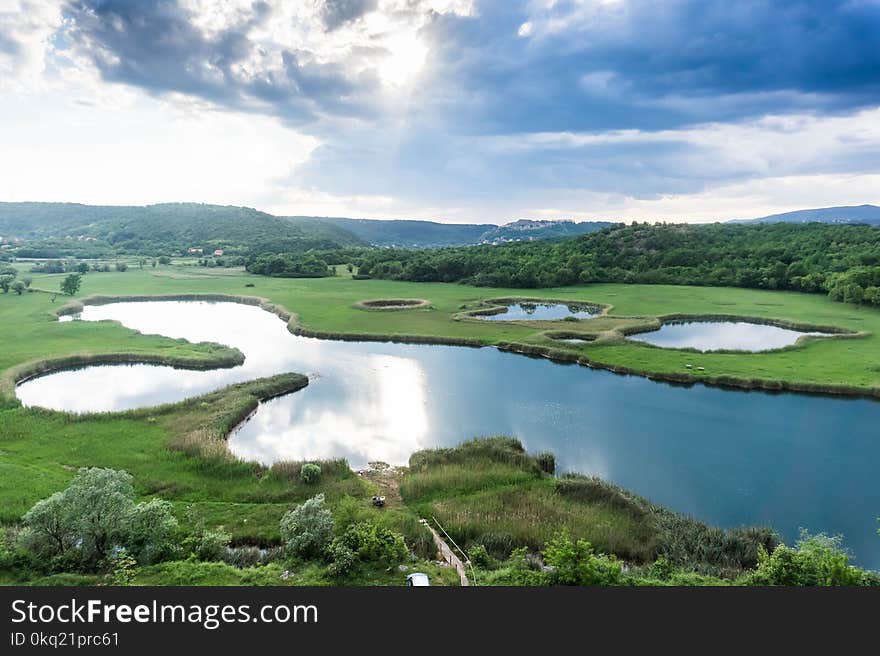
{"x":123,"y":568}
{"x":308,"y":528}
{"x":310,"y":473}
{"x":375,"y":543}
{"x":204,"y":543}
{"x":479,"y":556}
{"x":150,"y":531}
{"x":575,"y":563}
{"x":815,"y":560}
{"x":546,"y":462}
{"x":342,"y":558}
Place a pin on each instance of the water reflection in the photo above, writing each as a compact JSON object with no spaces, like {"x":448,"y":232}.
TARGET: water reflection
{"x":721,"y":335}
{"x":727,"y":457}
{"x":542,"y":312}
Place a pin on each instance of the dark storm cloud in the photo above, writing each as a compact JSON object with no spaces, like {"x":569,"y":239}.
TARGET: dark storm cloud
{"x":644,"y":64}
{"x":650,"y":64}
{"x":156,"y":46}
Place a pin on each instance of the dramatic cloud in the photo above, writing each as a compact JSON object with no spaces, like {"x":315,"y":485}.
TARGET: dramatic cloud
{"x":485,"y":109}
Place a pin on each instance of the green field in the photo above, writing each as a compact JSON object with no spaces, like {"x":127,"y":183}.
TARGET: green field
{"x":177,"y":452}
{"x":327,"y":306}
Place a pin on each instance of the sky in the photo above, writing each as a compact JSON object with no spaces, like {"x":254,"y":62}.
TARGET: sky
{"x":450,"y":110}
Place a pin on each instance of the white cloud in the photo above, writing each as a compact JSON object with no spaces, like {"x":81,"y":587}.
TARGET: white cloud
{"x":141,"y":151}
{"x":26,"y":29}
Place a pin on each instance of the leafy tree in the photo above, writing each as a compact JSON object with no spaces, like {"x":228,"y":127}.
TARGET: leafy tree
{"x":94,"y":517}
{"x":121,"y":266}
{"x":308,"y":528}
{"x":71,"y":284}
{"x":82,"y":267}
{"x":18,"y":287}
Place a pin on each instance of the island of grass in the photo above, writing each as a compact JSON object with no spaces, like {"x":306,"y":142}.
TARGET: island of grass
{"x":495,"y":307}
{"x":393,"y":304}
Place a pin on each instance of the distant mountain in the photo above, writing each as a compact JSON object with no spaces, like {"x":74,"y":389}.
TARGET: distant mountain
{"x":166,"y":227}
{"x":528,"y":229}
{"x":429,"y":234}
{"x":71,"y":229}
{"x":869,"y":214}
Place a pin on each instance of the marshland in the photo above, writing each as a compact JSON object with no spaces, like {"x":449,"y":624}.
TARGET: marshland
{"x":706,"y":454}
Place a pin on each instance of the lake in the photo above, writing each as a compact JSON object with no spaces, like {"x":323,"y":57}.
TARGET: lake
{"x":541,"y":312}
{"x":727,"y":457}
{"x":722,"y":336}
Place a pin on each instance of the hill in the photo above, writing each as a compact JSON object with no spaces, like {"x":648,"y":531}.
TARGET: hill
{"x":869,"y":214}
{"x":430,"y":234}
{"x":70,"y":228}
{"x":529,"y":230}
{"x":404,"y":233}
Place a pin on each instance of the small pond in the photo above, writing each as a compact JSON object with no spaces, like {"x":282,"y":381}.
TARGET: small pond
{"x":722,"y":336}
{"x":542,"y":312}
{"x":727,"y":457}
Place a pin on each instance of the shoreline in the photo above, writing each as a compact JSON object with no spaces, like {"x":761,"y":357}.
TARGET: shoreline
{"x":43,"y":367}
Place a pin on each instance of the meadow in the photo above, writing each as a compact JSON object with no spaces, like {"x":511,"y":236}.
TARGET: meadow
{"x":178,"y":451}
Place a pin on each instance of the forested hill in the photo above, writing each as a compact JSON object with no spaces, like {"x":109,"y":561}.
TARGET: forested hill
{"x":842,"y":260}
{"x":869,"y":214}
{"x":59,"y":228}
{"x":429,"y":234}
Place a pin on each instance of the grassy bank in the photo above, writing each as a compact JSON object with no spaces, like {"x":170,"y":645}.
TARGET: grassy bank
{"x":326,"y":307}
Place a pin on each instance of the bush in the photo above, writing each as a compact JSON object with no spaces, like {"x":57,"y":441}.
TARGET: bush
{"x":204,"y":543}
{"x":310,"y":473}
{"x":123,"y":568}
{"x":546,"y":462}
{"x":815,"y":560}
{"x":150,"y":531}
{"x":479,"y":556}
{"x":575,"y":563}
{"x":375,"y":543}
{"x":342,"y":558}
{"x":308,"y":528}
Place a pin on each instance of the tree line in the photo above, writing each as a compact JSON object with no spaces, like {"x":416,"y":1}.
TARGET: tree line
{"x":842,"y":261}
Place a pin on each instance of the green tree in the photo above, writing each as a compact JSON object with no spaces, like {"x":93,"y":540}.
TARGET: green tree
{"x":71,"y":284}
{"x":18,"y":287}
{"x":6,"y":282}
{"x":308,"y":528}
{"x":96,"y":515}
{"x":82,"y":268}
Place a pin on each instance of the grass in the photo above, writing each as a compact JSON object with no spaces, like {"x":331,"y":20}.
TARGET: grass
{"x":327,"y":307}
{"x":490,"y":494}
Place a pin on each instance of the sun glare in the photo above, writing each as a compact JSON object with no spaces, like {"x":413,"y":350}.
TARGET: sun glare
{"x":406,"y":57}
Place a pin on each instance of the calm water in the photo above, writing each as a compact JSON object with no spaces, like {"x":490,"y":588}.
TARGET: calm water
{"x":727,"y":457}
{"x":721,"y":335}
{"x":541,"y":312}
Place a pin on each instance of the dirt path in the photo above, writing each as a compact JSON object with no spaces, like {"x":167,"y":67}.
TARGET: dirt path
{"x":386,"y":478}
